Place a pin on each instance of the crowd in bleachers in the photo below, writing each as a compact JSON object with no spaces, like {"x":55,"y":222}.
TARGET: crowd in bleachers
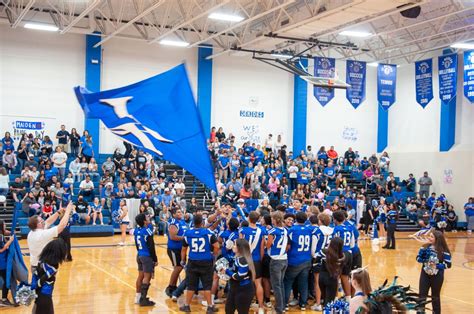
{"x":41,"y":176}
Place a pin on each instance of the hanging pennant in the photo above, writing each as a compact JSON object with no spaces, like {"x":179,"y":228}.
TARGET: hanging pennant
{"x":447,"y":71}
{"x":355,"y":77}
{"x":469,"y":75}
{"x":386,"y":85}
{"x":324,"y":67}
{"x":424,"y":81}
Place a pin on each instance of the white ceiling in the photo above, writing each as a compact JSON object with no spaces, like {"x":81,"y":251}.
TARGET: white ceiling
{"x":305,"y":25}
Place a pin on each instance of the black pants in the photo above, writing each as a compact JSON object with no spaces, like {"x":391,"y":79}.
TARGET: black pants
{"x":239,"y":298}
{"x":435,"y":283}
{"x":328,"y":286}
{"x":3,"y":274}
{"x":391,"y":235}
{"x":66,"y":236}
{"x":43,"y":304}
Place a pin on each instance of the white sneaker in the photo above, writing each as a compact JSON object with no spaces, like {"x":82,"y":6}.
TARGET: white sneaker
{"x":93,"y":224}
{"x":293,"y":302}
{"x":101,"y":223}
{"x":174,"y":298}
{"x":269,"y":305}
{"x":317,"y":307}
{"x":254,"y":305}
{"x":219,"y":301}
{"x":204,"y":303}
{"x":261,"y":311}
{"x":121,"y":244}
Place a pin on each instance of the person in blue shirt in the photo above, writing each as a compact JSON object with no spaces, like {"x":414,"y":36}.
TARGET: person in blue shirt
{"x":227,"y":238}
{"x":330,"y":172}
{"x":176,"y":228}
{"x":322,"y":155}
{"x":347,"y":236}
{"x":242,"y":276}
{"x":255,"y":235}
{"x":44,"y":276}
{"x":4,"y":245}
{"x":299,"y":259}
{"x":87,"y":148}
{"x":202,"y":245}
{"x":277,"y":245}
{"x":223,"y":166}
{"x":430,"y":201}
{"x":469,"y":212}
{"x":392,"y":217}
{"x":146,"y":258}
{"x":432,"y":272}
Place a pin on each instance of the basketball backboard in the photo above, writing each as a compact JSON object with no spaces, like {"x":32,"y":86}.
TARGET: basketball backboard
{"x":325,"y":82}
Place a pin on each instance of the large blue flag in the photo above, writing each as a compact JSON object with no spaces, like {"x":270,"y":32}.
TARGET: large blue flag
{"x":447,"y":72}
{"x":386,"y":85}
{"x":324,"y":67}
{"x":469,"y":75}
{"x":158,"y":115}
{"x":424,"y":81}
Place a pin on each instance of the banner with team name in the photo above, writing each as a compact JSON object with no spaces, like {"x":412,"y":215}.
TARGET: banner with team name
{"x":424,"y":81}
{"x":355,"y":76}
{"x":447,"y":72}
{"x":386,"y":85}
{"x":324,"y":67}
{"x":469,"y":75}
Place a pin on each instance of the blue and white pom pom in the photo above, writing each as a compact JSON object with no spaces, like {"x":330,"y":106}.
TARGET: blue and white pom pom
{"x":116,"y":216}
{"x":75,"y":218}
{"x":25,"y":295}
{"x":340,"y":306}
{"x":222,"y":264}
{"x":430,"y":265}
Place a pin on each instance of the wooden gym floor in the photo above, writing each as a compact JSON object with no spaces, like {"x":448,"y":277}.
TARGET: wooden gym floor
{"x":101,"y":279}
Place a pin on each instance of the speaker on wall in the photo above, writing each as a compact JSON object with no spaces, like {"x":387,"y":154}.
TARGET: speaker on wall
{"x":411,"y":13}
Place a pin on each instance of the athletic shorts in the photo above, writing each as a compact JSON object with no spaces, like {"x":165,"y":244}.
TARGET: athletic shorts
{"x":145,"y":264}
{"x":258,"y":269}
{"x":346,"y":269}
{"x":175,"y":256}
{"x":83,"y":216}
{"x":266,"y":266}
{"x":356,"y":260}
{"x":125,"y":223}
{"x":315,"y":267}
{"x":199,"y":271}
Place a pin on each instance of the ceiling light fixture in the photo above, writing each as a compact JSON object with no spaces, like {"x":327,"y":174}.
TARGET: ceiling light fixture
{"x":281,"y":55}
{"x":175,"y":43}
{"x":373,"y":64}
{"x":463,"y":45}
{"x":355,"y":34}
{"x":226,"y":17}
{"x":41,"y":27}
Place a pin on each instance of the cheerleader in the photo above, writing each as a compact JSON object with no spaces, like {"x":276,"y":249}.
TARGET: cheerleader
{"x":44,"y":277}
{"x":124,"y":221}
{"x":435,"y":257}
{"x":382,"y":209}
{"x":360,"y":281}
{"x":332,"y":260}
{"x":242,"y":278}
{"x":97,"y":211}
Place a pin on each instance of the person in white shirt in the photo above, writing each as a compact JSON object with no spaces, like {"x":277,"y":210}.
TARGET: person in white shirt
{"x":41,"y":234}
{"x":269,"y":143}
{"x":59,"y":160}
{"x":86,"y":188}
{"x":75,"y":169}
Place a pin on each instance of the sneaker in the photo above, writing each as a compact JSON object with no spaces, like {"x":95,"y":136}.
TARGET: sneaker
{"x":168,"y":291}
{"x":5,"y":303}
{"x":174,"y":298}
{"x":137,"y":299}
{"x":93,"y":224}
{"x":254,"y":305}
{"x":219,"y":301}
{"x":147,"y":302}
{"x":317,"y":307}
{"x":287,"y":308}
{"x":204,"y":303}
{"x":101,"y":223}
{"x":293,"y":302}
{"x":211,"y":309}
{"x":302,"y":307}
{"x":268,"y":304}
{"x":185,"y":308}
{"x":261,"y":311}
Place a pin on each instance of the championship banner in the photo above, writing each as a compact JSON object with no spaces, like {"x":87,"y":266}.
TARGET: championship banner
{"x":355,"y":76}
{"x":424,"y":81}
{"x":324,"y":67}
{"x":469,"y":75}
{"x":447,"y":71}
{"x":386,"y":85}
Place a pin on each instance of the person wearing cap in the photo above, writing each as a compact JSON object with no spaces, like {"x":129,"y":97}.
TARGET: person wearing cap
{"x":31,"y":162}
{"x":425,"y":183}
{"x":240,"y":211}
{"x":9,"y":160}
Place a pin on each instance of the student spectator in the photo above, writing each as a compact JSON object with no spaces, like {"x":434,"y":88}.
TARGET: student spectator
{"x":451,"y":219}
{"x":4,"y":185}
{"x":87,"y":150}
{"x":350,"y":156}
{"x":97,"y":211}
{"x":332,"y":154}
{"x":59,"y":160}
{"x":63,"y":136}
{"x":35,"y":147}
{"x":17,"y":189}
{"x":425,"y":183}
{"x":9,"y":160}
{"x":109,"y":166}
{"x":93,"y":168}
{"x":7,"y":142}
{"x":47,"y":143}
{"x":22,"y":154}
{"x":269,"y":143}
{"x":293,"y":175}
{"x":31,"y":162}
{"x":469,"y":212}
{"x":410,"y":183}
{"x":212,"y":138}
{"x":83,"y":209}
{"x":220,"y":135}
{"x":86,"y":188}
{"x":75,"y":169}
{"x":74,"y":139}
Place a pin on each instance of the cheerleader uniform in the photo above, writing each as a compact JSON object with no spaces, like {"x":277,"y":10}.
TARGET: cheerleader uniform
{"x":432,"y":278}
{"x":126,"y":219}
{"x":241,"y":290}
{"x":43,"y":281}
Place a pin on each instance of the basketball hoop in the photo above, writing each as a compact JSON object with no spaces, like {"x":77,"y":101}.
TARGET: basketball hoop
{"x":325,"y":82}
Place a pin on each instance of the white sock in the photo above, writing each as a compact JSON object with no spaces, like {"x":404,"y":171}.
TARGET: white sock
{"x":212,"y":300}
{"x":138,"y":295}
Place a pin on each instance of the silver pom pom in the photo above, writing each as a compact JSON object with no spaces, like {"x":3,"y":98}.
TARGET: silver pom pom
{"x":430,"y":266}
{"x":221,"y":266}
{"x":25,"y":295}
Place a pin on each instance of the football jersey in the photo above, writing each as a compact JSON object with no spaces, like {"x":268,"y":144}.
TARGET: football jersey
{"x":321,"y":237}
{"x":141,"y":235}
{"x":346,"y":235}
{"x":225,"y":236}
{"x":180,"y":224}
{"x":199,"y":241}
{"x":254,"y":236}
{"x":300,"y":244}
{"x":280,"y":241}
{"x":355,"y":235}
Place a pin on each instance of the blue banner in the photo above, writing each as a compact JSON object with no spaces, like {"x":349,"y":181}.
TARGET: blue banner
{"x":386,"y":85}
{"x":469,"y":75}
{"x":355,"y":76}
{"x":424,"y":81}
{"x":447,"y":71}
{"x":158,"y":115}
{"x":324,"y":67}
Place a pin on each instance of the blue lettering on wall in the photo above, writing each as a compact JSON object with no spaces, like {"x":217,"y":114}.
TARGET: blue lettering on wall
{"x":251,"y":114}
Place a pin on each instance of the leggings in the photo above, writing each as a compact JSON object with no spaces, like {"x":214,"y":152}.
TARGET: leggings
{"x":239,"y":298}
{"x":328,"y":286}
{"x":43,"y":304}
{"x":435,"y":283}
{"x":391,"y":235}
{"x":3,"y":274}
